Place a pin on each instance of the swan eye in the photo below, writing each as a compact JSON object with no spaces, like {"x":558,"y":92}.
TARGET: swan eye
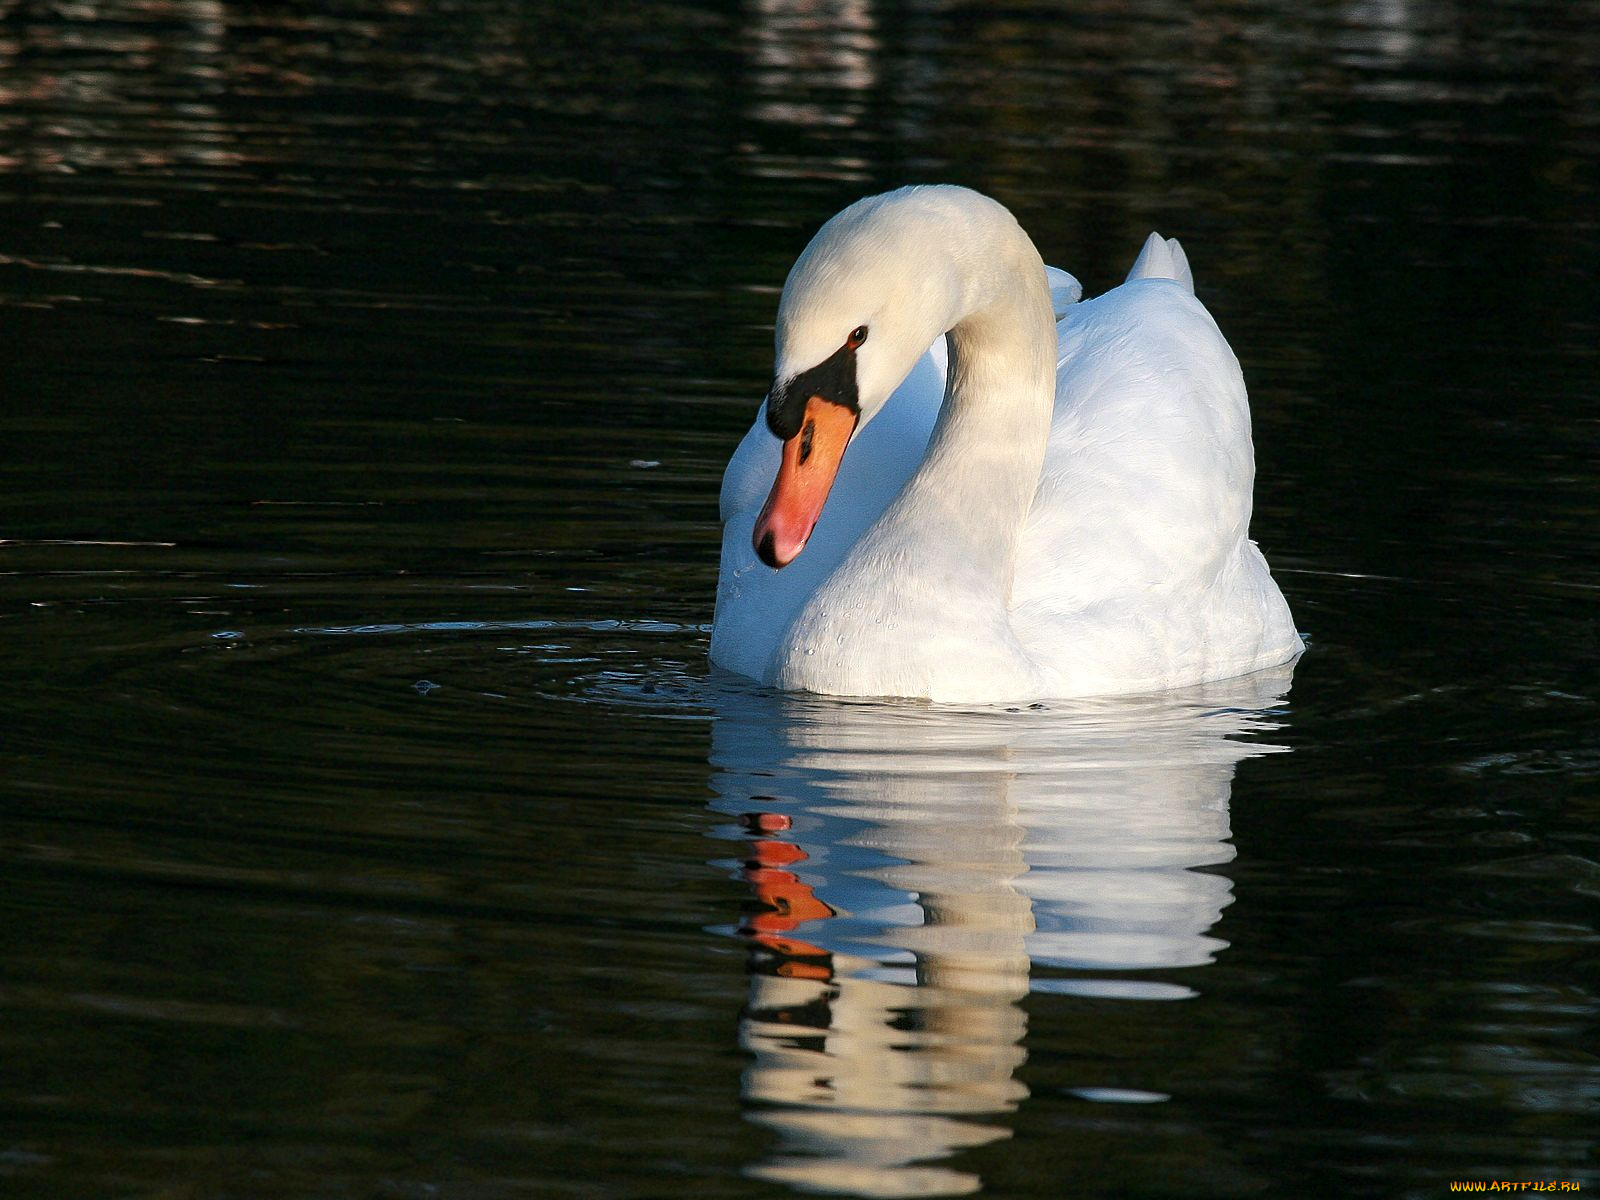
{"x":857,"y":336}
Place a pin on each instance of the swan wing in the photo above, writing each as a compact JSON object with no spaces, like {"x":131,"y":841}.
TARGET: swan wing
{"x":1135,"y":567}
{"x":1065,"y":290}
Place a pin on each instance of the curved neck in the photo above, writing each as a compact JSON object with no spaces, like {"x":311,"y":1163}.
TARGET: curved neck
{"x":920,"y":605}
{"x":978,"y":478}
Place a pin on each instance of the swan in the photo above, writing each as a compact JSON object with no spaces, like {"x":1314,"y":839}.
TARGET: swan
{"x":948,"y":495}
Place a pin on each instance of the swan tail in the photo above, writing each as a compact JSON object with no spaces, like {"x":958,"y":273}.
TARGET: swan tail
{"x":1162,"y":258}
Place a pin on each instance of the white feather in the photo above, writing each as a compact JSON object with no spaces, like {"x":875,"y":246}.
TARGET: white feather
{"x":1041,"y":533}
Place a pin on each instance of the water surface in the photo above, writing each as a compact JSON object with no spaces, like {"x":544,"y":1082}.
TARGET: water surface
{"x":372,"y":823}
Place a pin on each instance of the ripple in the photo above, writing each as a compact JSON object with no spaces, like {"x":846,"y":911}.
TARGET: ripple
{"x":1111,"y":1095}
{"x":540,"y":626}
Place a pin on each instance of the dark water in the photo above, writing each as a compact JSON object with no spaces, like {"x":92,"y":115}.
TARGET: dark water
{"x":372,"y":825}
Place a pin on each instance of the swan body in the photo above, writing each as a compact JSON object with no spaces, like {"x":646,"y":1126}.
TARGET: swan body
{"x":1035,"y":496}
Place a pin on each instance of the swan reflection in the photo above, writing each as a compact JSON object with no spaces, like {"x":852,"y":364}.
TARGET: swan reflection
{"x":913,"y":869}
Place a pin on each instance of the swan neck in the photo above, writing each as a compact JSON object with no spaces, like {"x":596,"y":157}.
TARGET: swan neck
{"x":987,"y":449}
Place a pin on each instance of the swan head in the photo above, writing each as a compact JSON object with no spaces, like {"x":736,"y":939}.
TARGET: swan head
{"x":870,"y":293}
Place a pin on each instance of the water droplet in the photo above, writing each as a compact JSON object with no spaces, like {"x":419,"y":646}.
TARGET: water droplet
{"x":809,"y":650}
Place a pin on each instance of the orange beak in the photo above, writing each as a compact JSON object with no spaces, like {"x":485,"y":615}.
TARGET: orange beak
{"x":810,"y":462}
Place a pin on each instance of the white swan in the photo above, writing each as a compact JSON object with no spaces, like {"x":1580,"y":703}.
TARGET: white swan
{"x":1071,"y":520}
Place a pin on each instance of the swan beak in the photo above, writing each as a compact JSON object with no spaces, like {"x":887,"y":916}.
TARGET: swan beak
{"x":810,"y":461}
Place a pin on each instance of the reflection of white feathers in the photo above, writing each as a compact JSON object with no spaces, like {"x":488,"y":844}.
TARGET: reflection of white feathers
{"x":968,"y":855}
{"x":1077,"y":524}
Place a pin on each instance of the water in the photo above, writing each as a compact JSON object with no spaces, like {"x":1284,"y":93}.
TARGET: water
{"x":372,"y":825}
